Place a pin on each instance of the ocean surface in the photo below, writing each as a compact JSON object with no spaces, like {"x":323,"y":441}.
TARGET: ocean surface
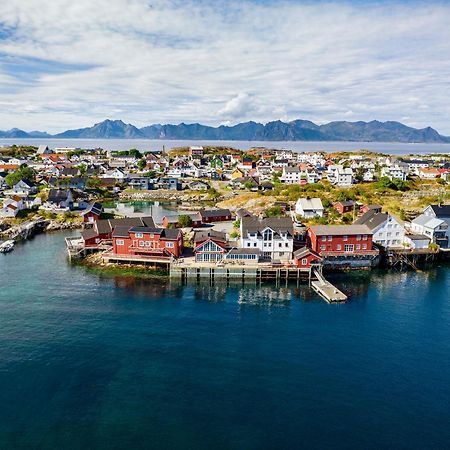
{"x":298,"y":146}
{"x":96,"y":362}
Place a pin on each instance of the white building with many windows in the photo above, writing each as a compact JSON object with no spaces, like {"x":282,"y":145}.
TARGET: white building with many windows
{"x":387,"y":231}
{"x":272,"y":236}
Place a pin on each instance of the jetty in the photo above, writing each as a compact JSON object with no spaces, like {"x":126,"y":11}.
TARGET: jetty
{"x":7,"y":246}
{"x":326,"y":290}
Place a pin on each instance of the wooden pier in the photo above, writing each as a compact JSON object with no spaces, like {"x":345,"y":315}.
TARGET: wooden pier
{"x":326,"y":290}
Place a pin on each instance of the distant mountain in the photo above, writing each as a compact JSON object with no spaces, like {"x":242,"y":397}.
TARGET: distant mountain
{"x":108,"y":129}
{"x":297,"y":130}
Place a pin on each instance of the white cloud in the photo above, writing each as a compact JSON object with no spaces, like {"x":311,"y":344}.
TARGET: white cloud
{"x":169,"y":61}
{"x":238,"y":107}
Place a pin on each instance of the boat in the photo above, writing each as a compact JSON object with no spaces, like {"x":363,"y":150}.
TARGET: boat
{"x":7,"y":246}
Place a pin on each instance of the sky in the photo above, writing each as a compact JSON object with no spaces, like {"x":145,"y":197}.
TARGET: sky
{"x":70,"y":64}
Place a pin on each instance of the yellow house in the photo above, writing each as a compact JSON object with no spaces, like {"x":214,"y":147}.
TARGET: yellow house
{"x":237,"y":173}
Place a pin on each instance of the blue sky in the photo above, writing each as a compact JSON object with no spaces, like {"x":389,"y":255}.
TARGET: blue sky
{"x":66,"y":64}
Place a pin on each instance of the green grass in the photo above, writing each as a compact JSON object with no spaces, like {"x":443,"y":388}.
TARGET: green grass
{"x":124,"y":271}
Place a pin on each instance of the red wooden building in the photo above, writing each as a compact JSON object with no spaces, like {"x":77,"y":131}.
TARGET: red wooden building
{"x":328,"y":240}
{"x":345,"y":207}
{"x":148,"y":242}
{"x":92,"y":213}
{"x":102,"y":230}
{"x":215,"y":215}
{"x":305,"y":257}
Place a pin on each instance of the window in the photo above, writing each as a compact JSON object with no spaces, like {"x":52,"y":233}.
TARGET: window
{"x":169,"y":244}
{"x":339,"y":247}
{"x":120,"y":242}
{"x":348,"y":248}
{"x":304,"y":262}
{"x":147,"y":244}
{"x":345,"y":238}
{"x":248,"y":244}
{"x":141,"y":243}
{"x":330,"y":238}
{"x":358,"y":237}
{"x":324,"y":238}
{"x":323,"y":247}
{"x":365,"y":237}
{"x":139,"y":235}
{"x":152,"y":235}
{"x":358,"y":246}
{"x":364,"y":246}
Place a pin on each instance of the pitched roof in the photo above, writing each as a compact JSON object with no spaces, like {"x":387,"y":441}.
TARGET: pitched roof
{"x":310,"y":203}
{"x":339,"y":230}
{"x":107,"y":225}
{"x":277,"y":224}
{"x":372,"y":219}
{"x":58,"y":195}
{"x":441,"y":210}
{"x":215,"y":212}
{"x":304,"y":251}
{"x":202,"y":235}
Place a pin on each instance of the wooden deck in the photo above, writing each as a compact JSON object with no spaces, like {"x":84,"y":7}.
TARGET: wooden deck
{"x":326,"y":290}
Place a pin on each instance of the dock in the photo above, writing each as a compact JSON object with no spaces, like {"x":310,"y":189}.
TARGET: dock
{"x":326,"y":290}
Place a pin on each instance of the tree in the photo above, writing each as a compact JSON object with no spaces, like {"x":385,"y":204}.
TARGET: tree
{"x":213,"y":193}
{"x":151,"y":174}
{"x":184,"y":221}
{"x":385,"y":183}
{"x":22,"y":173}
{"x":141,"y":164}
{"x":274,"y":211}
{"x":359,"y":175}
{"x":135,"y":153}
{"x":248,"y":185}
{"x":83,"y":169}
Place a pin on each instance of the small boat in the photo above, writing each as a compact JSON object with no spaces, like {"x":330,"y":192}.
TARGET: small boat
{"x":7,"y":246}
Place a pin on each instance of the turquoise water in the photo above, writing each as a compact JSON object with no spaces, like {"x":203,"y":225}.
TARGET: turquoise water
{"x":111,"y":363}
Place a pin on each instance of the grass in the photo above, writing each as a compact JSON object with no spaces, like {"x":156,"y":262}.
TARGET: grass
{"x":123,"y":270}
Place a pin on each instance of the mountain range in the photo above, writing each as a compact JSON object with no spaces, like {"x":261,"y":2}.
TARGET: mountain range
{"x":297,"y":130}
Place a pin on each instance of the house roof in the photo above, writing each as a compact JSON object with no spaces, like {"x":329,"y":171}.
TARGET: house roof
{"x":339,"y":230}
{"x":277,"y":224}
{"x":107,"y":225}
{"x":215,"y":212}
{"x":242,"y":212}
{"x":372,"y":219}
{"x":304,"y":251}
{"x":427,"y":221}
{"x":245,"y":251}
{"x":58,"y":195}
{"x":203,"y":235}
{"x":310,"y":203}
{"x":441,"y":210}
{"x":95,"y":208}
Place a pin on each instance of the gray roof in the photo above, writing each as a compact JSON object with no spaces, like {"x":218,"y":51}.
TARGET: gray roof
{"x":441,"y":210}
{"x":301,"y":252}
{"x":58,"y":195}
{"x":277,"y":224}
{"x":244,"y":251}
{"x":428,"y":221}
{"x":308,"y":204}
{"x":210,"y":234}
{"x":372,"y":219}
{"x":242,"y":212}
{"x":215,"y":212}
{"x":339,"y":230}
{"x":107,"y":225}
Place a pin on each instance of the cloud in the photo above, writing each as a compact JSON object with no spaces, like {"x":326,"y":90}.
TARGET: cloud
{"x":238,"y":107}
{"x":66,"y":64}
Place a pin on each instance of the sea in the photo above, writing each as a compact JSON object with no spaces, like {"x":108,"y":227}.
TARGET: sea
{"x":89,"y":361}
{"x":297,"y":146}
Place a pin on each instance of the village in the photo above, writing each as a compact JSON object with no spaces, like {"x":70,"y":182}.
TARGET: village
{"x":260,"y":213}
